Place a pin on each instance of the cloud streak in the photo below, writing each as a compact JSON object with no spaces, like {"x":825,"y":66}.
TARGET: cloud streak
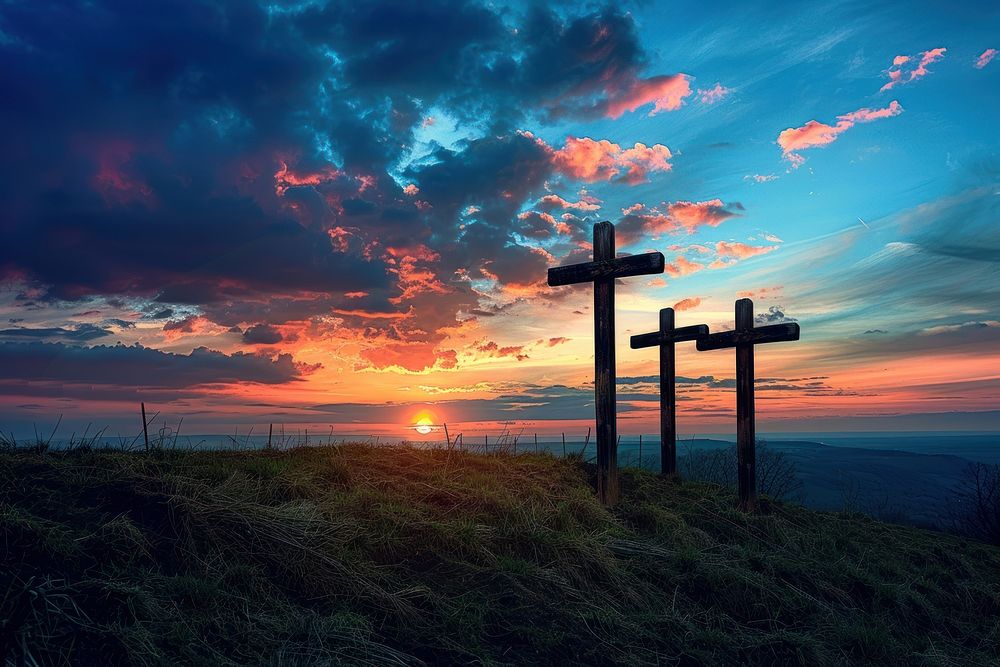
{"x":816,"y":134}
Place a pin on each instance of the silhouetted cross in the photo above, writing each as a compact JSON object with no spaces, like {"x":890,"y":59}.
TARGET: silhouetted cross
{"x":665,"y":339}
{"x":602,"y":272}
{"x":745,"y":336}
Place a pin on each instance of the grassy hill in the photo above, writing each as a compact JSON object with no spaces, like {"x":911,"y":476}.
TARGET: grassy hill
{"x":355,"y":554}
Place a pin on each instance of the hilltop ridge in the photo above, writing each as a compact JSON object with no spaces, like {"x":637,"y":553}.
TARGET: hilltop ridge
{"x":398,"y":555}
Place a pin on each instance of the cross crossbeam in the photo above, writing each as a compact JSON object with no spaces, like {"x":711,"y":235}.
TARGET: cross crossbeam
{"x":622,"y":267}
{"x":603,"y":272}
{"x":743,"y":338}
{"x":665,"y":338}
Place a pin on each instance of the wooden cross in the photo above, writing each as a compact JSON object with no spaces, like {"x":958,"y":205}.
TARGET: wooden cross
{"x":603,"y":272}
{"x":743,"y":338}
{"x":666,"y":337}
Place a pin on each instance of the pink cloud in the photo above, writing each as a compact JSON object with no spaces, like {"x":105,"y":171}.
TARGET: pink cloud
{"x":714,"y":94}
{"x":411,"y":190}
{"x":666,"y":93}
{"x":589,"y":160}
{"x":814,"y":133}
{"x":868,"y":115}
{"x":984,"y":58}
{"x":641,"y":159}
{"x":898,"y":74}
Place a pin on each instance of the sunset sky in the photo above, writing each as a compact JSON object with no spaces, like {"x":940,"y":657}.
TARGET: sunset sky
{"x":342,"y":213}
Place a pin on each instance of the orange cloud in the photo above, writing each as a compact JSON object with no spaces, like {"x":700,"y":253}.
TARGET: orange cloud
{"x":984,"y":58}
{"x":589,"y":160}
{"x":691,"y":215}
{"x":666,"y":93}
{"x":401,"y":356}
{"x":682,"y":266}
{"x":814,"y":133}
{"x":286,"y":178}
{"x":673,"y":218}
{"x":762,"y":293}
{"x":411,"y":190}
{"x":412,"y":278}
{"x":687,"y":304}
{"x":192,"y":324}
{"x":736,"y":250}
{"x":897,"y":71}
{"x":490,"y":349}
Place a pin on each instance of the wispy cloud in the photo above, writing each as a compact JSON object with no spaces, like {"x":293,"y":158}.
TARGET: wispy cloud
{"x":984,"y":58}
{"x":815,"y":134}
{"x":906,"y":69}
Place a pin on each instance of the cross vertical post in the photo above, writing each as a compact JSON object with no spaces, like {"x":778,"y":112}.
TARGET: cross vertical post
{"x":603,"y":271}
{"x":746,"y":427}
{"x":743,"y":338}
{"x":665,"y":338}
{"x":604,"y":368}
{"x":668,"y":398}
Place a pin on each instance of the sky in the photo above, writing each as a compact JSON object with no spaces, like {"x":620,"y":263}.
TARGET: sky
{"x":342,"y":214}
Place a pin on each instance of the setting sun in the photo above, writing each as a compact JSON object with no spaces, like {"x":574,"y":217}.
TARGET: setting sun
{"x":423,"y":423}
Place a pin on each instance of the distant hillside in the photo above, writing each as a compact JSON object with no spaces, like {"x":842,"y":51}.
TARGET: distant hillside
{"x":359,"y":555}
{"x":896,"y":485}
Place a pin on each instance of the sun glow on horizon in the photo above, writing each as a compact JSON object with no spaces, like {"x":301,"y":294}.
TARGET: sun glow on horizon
{"x":423,"y":423}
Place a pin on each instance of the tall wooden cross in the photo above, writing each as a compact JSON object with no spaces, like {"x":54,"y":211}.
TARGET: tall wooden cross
{"x":603,"y":272}
{"x":665,"y":338}
{"x":743,"y":338}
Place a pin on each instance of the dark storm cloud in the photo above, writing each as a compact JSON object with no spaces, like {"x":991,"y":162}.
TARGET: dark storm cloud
{"x":81,"y":333}
{"x":136,"y":366}
{"x":568,"y":64}
{"x":238,"y":158}
{"x":262,"y":334}
{"x":158,"y":129}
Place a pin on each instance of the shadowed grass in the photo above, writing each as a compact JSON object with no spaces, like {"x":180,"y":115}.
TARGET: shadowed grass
{"x":363,"y":555}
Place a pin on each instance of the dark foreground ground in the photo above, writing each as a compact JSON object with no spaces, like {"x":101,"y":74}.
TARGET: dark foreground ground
{"x":353,"y":554}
